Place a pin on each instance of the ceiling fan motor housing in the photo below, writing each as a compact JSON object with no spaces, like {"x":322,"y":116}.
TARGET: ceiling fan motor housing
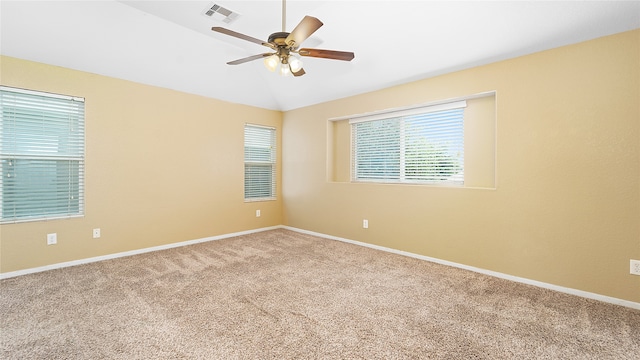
{"x":278,"y":38}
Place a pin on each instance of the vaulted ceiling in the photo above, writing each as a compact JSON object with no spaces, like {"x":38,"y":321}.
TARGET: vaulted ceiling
{"x":170,"y":43}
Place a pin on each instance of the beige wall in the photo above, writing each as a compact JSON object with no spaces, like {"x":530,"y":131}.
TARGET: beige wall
{"x":566,"y":207}
{"x":161,"y":167}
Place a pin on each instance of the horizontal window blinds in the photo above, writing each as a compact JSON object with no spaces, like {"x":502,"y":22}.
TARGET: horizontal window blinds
{"x":41,"y":155}
{"x":259,"y":163}
{"x":423,"y":145}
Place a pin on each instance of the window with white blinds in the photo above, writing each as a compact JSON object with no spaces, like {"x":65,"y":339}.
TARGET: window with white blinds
{"x":259,"y":163}
{"x":421,"y":145}
{"x":41,"y":155}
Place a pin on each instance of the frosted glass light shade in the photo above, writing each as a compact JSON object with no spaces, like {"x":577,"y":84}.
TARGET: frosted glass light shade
{"x":295,"y":64}
{"x":284,"y":70}
{"x":271,"y":62}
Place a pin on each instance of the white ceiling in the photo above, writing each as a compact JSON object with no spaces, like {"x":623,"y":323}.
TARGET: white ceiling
{"x":170,"y":43}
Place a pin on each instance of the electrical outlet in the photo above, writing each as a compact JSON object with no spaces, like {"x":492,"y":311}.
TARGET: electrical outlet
{"x":634,"y":267}
{"x":257,"y":213}
{"x":365,"y":224}
{"x":96,"y":233}
{"x":52,"y":239}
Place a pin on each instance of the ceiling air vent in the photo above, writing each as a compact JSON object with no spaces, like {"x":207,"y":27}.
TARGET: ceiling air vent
{"x":220,"y":13}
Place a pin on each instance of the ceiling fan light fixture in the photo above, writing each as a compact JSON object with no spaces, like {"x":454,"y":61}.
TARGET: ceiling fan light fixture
{"x":271,"y":62}
{"x":284,"y":69}
{"x":295,"y":64}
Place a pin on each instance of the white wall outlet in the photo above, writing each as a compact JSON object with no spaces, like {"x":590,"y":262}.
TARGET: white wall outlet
{"x":96,"y":233}
{"x":634,"y":267}
{"x":257,"y":213}
{"x":365,"y":224}
{"x":52,"y":239}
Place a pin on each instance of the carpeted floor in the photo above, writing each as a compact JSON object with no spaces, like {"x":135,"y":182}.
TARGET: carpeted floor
{"x":284,"y":295}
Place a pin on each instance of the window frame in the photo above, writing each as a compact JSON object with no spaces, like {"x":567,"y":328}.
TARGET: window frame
{"x":63,"y":118}
{"x":397,"y":146}
{"x":259,"y":160}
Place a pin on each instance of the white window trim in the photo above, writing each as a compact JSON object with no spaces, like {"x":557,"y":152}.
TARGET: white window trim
{"x":408,"y":112}
{"x":400,"y":113}
{"x":414,"y":106}
{"x":273,"y":163}
{"x":81,"y":158}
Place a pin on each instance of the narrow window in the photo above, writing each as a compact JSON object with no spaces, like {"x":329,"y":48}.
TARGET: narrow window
{"x":423,"y":145}
{"x":41,"y":155}
{"x":259,"y":163}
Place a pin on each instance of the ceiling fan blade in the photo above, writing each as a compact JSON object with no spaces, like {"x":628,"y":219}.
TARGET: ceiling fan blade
{"x":299,"y":72}
{"x":241,"y":36}
{"x":327,"y":54}
{"x":303,"y":30}
{"x":247,"y":59}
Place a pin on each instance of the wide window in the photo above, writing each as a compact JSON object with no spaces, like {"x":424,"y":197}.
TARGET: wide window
{"x":259,"y":163}
{"x":421,"y":145}
{"x":41,"y":155}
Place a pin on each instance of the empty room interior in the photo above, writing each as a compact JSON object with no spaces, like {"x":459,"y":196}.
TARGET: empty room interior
{"x":191,"y":207}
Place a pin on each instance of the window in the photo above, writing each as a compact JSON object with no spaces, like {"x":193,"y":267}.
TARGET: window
{"x":259,"y":163}
{"x":421,"y":145}
{"x":41,"y":155}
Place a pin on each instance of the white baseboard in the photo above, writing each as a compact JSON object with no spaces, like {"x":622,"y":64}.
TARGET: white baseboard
{"x":584,"y":294}
{"x":129,"y":253}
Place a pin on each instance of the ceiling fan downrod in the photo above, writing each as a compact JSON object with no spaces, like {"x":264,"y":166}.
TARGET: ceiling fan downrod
{"x":284,"y":15}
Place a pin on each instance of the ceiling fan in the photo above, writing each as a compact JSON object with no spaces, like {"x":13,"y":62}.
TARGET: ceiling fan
{"x":284,"y":45}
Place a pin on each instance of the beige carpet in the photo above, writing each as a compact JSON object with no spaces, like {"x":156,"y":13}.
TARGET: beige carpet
{"x":285,"y":295}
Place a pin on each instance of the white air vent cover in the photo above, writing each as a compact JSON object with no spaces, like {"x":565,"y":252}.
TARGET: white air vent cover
{"x":220,"y":13}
